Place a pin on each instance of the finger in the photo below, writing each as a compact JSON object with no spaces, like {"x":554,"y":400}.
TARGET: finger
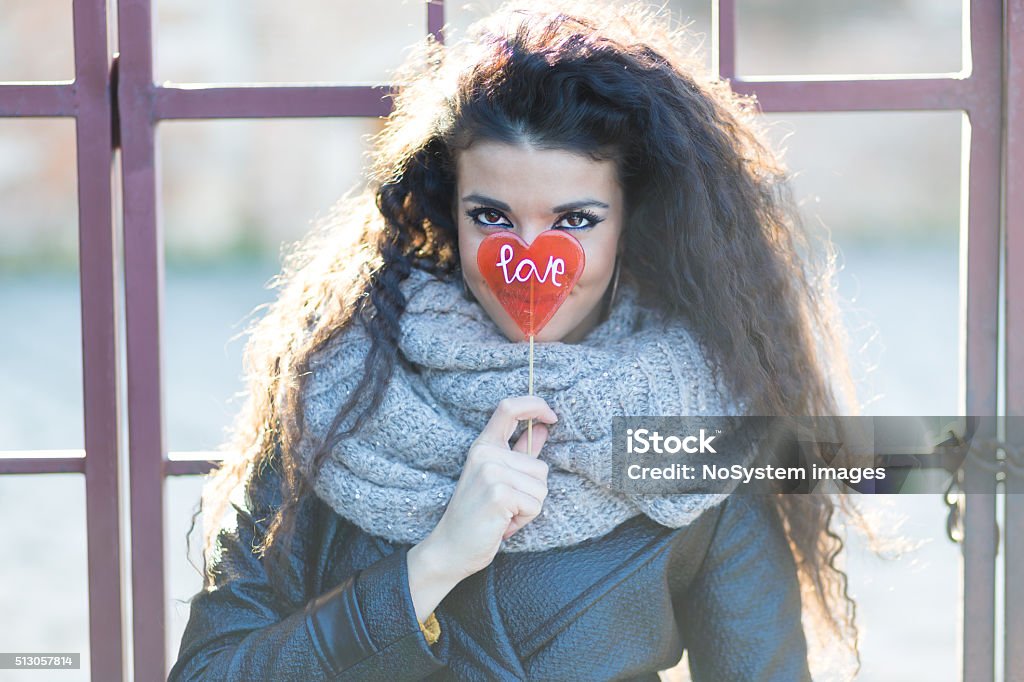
{"x":513,"y":526}
{"x":483,"y":453}
{"x":540,"y":436}
{"x":520,"y":461}
{"x":500,"y":483}
{"x":518,"y":521}
{"x":509,"y":412}
{"x":525,"y":505}
{"x":525,"y":483}
{"x":511,"y":502}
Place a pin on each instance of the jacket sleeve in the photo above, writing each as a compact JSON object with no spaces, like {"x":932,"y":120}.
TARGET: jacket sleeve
{"x":242,"y":627}
{"x":740,"y":617}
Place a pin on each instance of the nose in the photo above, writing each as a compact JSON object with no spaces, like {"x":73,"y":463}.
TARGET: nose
{"x":532,"y":230}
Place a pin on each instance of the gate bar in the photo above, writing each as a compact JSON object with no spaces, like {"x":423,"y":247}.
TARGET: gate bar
{"x":144,"y":281}
{"x":100,"y":365}
{"x":1013,"y":643}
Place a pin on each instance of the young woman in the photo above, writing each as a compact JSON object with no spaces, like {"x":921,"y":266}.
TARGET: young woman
{"x":382,"y":517}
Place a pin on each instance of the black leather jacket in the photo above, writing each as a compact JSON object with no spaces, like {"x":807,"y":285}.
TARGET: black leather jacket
{"x":622,"y":606}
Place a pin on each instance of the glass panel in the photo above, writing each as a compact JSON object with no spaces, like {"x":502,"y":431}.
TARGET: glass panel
{"x":183,"y":579}
{"x":306,"y":40}
{"x":908,"y":610}
{"x":233,"y":192}
{"x":777,"y":37}
{"x":887,"y":186}
{"x":40,"y":307}
{"x":44,"y":568}
{"x":36,"y":41}
{"x":695,"y":14}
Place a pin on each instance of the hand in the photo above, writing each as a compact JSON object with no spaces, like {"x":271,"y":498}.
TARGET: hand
{"x":500,"y":490}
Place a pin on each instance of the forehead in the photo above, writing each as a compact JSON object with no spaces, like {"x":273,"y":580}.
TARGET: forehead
{"x":524,"y":174}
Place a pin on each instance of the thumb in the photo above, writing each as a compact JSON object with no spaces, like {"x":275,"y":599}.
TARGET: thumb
{"x":540,"y":436}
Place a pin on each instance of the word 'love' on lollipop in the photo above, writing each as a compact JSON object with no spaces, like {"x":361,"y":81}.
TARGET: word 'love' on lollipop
{"x":531,"y":281}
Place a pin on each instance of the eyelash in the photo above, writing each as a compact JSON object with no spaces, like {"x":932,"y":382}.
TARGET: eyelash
{"x":475,"y":213}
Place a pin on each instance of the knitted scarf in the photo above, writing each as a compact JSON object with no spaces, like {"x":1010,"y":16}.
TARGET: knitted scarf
{"x":395,"y":477}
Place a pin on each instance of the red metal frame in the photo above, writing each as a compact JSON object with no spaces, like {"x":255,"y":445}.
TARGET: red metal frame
{"x":991,"y":90}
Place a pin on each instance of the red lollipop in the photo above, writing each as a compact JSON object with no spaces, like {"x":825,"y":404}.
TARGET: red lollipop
{"x":531,"y":281}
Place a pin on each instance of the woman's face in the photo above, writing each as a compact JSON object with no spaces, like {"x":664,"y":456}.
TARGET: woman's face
{"x":526,"y":190}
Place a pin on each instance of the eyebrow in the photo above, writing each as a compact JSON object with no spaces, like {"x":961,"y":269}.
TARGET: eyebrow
{"x":561,"y":208}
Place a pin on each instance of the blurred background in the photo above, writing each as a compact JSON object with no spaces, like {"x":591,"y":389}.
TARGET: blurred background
{"x":886,"y":186}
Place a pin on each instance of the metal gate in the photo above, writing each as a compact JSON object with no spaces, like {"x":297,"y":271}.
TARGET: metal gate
{"x":116,"y":107}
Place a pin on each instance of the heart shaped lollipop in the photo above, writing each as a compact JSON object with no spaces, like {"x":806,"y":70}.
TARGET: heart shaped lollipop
{"x":531,"y":281}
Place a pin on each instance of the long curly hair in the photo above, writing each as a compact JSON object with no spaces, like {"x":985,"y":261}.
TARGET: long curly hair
{"x":711,"y":231}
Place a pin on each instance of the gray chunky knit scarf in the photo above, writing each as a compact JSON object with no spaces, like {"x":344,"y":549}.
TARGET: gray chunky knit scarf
{"x":396,"y":476}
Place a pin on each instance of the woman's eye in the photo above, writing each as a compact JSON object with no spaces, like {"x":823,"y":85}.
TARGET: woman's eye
{"x":488,"y":217}
{"x":580,"y":220}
